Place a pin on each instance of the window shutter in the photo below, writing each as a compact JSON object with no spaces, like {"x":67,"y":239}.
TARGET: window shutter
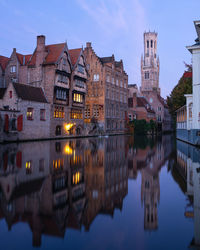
{"x":19,"y":159}
{"x":6,"y":124}
{"x":20,"y":122}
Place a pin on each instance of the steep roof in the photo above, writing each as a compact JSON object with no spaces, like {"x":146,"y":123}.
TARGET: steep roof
{"x":23,"y":59}
{"x":142,"y":102}
{"x":74,"y":55}
{"x":29,"y":93}
{"x":3,"y":62}
{"x":163,"y":101}
{"x":53,"y":53}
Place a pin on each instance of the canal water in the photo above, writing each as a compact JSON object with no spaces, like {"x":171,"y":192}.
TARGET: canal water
{"x":110,"y":193}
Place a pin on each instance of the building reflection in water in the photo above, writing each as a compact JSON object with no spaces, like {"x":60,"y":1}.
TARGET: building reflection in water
{"x":186,"y":172}
{"x":53,"y":186}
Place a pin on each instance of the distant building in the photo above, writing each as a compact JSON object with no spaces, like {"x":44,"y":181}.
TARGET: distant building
{"x":107,"y":92}
{"x":188,"y":117}
{"x":3,"y":63}
{"x":150,"y":68}
{"x":139,"y":108}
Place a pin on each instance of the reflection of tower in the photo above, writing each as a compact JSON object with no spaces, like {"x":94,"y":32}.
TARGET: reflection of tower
{"x":150,"y":195}
{"x":150,"y":64}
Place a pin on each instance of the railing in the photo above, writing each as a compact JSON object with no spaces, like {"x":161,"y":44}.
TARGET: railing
{"x":181,"y":125}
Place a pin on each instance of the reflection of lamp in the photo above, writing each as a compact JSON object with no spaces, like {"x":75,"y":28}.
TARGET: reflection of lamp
{"x":68,"y":150}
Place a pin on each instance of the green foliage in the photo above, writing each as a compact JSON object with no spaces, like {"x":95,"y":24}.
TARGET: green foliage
{"x":177,"y":98}
{"x":142,"y":127}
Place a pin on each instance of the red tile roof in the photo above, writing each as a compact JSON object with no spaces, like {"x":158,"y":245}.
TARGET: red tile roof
{"x":142,"y":102}
{"x":187,"y":74}
{"x":30,"y":93}
{"x":53,"y":53}
{"x":23,"y":59}
{"x":3,"y":62}
{"x":74,"y":55}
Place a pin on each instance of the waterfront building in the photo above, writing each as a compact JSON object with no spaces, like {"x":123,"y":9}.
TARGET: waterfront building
{"x":60,"y":74}
{"x":150,"y":68}
{"x":107,"y":93}
{"x":188,"y":117}
{"x":24,"y":113}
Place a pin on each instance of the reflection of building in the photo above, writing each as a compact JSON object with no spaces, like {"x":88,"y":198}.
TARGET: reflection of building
{"x":188,"y":117}
{"x":53,"y":186}
{"x":188,"y":166}
{"x":148,"y":157}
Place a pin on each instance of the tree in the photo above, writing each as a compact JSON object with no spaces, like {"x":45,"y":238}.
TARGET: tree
{"x":177,"y":98}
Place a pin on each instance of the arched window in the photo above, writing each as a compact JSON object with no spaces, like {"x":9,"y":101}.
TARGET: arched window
{"x":147,"y":43}
{"x":151,"y":43}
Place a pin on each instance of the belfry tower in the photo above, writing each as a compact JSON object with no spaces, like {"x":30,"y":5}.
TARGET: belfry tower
{"x":150,"y":64}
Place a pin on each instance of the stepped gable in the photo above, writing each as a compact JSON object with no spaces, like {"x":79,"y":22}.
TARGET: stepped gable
{"x":74,"y":55}
{"x":142,"y":102}
{"x":3,"y":62}
{"x":29,"y":93}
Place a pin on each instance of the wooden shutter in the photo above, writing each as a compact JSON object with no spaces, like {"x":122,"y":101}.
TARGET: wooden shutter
{"x":19,"y":159}
{"x":6,"y":124}
{"x":20,"y":122}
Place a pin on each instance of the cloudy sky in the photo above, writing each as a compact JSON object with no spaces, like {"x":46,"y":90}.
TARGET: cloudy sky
{"x":113,"y":26}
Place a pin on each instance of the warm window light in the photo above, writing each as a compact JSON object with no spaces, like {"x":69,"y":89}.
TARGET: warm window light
{"x":68,"y":150}
{"x":68,"y":126}
{"x":76,"y":178}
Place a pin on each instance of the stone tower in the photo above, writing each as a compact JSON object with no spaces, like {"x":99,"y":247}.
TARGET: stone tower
{"x":150,"y":64}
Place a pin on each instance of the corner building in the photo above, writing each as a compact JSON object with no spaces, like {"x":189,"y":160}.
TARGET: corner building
{"x":107,"y":92}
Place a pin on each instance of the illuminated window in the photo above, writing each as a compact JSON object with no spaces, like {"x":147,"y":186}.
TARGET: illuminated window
{"x":58,"y":164}
{"x":78,"y":97}
{"x":29,"y":114}
{"x":96,"y":77}
{"x":76,"y":178}
{"x":42,"y":115}
{"x":12,"y":69}
{"x":81,"y":68}
{"x":76,"y":114}
{"x":28,"y":167}
{"x":59,"y":112}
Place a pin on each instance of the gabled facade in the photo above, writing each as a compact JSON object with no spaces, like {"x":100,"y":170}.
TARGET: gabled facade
{"x":3,"y":62}
{"x":24,"y":113}
{"x":107,"y":93}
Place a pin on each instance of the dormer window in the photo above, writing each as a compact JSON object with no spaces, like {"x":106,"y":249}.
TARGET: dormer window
{"x":12,"y":69}
{"x":81,"y":68}
{"x":64,"y":61}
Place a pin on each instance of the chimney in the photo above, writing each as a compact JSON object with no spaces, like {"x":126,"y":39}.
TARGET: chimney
{"x":41,"y":43}
{"x":40,"y":50}
{"x":88,"y":44}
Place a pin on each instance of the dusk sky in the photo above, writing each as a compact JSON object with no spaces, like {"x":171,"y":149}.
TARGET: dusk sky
{"x":113,"y":26}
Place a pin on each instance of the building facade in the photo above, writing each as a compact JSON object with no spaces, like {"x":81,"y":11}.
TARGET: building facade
{"x":106,"y":99}
{"x":188,"y":117}
{"x":150,"y":68}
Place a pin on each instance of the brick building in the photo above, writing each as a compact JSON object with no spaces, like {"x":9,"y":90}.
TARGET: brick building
{"x":139,"y":108}
{"x":61,"y":74}
{"x":106,"y":99}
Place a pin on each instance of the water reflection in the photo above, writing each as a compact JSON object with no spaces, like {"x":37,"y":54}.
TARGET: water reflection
{"x":186,"y":172}
{"x":53,"y":186}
